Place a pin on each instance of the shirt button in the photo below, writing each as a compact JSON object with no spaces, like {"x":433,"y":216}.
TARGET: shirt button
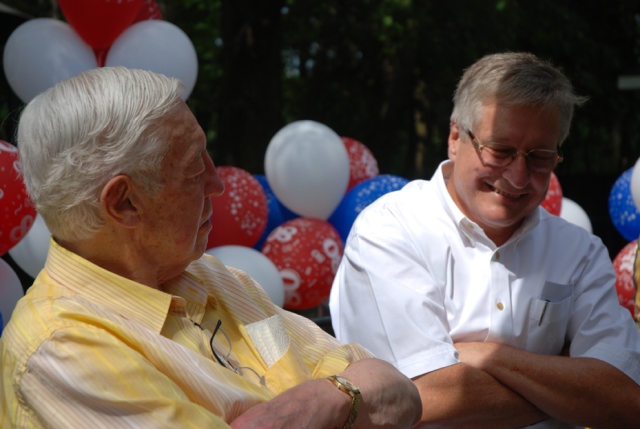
{"x":497,"y":256}
{"x":500,"y":306}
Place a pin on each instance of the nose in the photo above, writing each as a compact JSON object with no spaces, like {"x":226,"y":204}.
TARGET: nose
{"x":517,"y":172}
{"x":214,"y":186}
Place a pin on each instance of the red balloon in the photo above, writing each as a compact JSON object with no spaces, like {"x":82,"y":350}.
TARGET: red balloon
{"x":100,"y":22}
{"x":624,"y":263}
{"x":17,"y":211}
{"x":149,"y":10}
{"x":307,"y":253}
{"x":362,"y":163}
{"x":553,"y":200}
{"x":240,"y":214}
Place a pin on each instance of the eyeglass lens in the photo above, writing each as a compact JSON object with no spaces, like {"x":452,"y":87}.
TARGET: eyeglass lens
{"x":501,"y":155}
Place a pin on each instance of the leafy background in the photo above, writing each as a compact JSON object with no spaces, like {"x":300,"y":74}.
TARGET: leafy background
{"x":384,"y":71}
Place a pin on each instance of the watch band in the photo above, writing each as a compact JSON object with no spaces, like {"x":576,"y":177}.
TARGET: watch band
{"x":350,"y":389}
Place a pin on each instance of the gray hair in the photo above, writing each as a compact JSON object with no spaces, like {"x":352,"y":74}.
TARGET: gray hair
{"x":519,"y":79}
{"x":76,"y":136}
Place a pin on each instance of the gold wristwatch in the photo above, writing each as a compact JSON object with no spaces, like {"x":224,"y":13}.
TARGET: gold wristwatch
{"x":350,"y":389}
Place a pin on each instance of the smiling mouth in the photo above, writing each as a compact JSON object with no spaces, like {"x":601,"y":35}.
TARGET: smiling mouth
{"x":505,"y":194}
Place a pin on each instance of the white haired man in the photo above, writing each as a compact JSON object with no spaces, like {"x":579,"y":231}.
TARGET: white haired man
{"x":504,"y":315}
{"x":129,"y":324}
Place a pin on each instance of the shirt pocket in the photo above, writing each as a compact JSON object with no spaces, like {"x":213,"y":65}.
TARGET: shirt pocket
{"x":548,"y":319}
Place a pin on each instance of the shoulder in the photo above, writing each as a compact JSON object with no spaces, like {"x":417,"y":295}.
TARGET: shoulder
{"x":559,"y":232}
{"x":40,"y":319}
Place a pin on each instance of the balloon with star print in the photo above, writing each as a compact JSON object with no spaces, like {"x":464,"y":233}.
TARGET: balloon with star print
{"x":622,"y":209}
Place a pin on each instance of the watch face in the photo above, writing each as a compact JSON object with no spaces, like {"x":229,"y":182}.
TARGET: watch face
{"x":349,"y":385}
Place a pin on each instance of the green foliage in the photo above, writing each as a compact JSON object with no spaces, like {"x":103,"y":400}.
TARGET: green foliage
{"x":383,"y":71}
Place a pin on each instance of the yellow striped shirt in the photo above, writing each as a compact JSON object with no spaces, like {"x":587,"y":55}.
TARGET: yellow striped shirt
{"x":88,"y":348}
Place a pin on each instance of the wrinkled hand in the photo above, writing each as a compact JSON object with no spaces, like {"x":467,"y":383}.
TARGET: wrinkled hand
{"x":315,"y":404}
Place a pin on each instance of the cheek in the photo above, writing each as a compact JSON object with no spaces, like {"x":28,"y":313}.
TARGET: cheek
{"x":540,"y":184}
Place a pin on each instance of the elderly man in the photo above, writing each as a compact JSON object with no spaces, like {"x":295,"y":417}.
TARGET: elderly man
{"x":504,"y":315}
{"x":129,"y":324}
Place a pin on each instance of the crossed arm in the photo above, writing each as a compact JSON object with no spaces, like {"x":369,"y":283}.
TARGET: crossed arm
{"x":500,"y":386}
{"x":389,"y":400}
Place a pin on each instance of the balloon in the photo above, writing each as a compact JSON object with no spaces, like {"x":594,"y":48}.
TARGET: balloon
{"x":149,"y":10}
{"x":623,"y":263}
{"x":42,"y":52}
{"x":277,"y":212}
{"x":573,"y":213}
{"x":635,"y":184}
{"x":307,"y":166}
{"x":360,"y":197}
{"x":100,"y":22}
{"x":10,"y":290}
{"x":257,"y":265}
{"x":31,"y":252}
{"x":362,"y":163}
{"x":553,"y":201}
{"x":17,"y":211}
{"x":623,"y":211}
{"x":240,"y":214}
{"x":158,"y":46}
{"x":307,"y":253}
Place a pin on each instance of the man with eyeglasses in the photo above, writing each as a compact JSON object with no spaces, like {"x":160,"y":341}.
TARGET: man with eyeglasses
{"x":129,"y":325}
{"x":503,"y":315}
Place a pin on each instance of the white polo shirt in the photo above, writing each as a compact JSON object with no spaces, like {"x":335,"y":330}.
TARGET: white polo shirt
{"x":417,"y":275}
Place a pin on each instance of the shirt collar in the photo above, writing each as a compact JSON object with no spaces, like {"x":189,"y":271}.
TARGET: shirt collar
{"x":133,"y":301}
{"x":469,"y":227}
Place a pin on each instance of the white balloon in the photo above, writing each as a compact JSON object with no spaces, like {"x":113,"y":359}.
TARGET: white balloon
{"x":575,"y":214}
{"x":635,"y":184}
{"x":30,"y":253}
{"x":158,"y":46}
{"x":42,"y":52}
{"x":10,"y":291}
{"x":255,"y":264}
{"x":307,"y":167}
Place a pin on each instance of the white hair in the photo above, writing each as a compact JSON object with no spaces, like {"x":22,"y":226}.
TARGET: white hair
{"x":76,"y":136}
{"x":513,"y":78}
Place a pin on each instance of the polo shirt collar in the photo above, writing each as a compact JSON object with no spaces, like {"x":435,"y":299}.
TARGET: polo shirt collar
{"x":132,"y":300}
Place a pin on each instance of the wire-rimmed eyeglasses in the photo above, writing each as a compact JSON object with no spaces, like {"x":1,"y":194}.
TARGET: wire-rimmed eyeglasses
{"x":500,"y":155}
{"x":224,"y":359}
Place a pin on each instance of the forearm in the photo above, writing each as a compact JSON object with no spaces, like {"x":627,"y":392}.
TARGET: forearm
{"x":389,"y":399}
{"x":460,"y":396}
{"x":580,"y":391}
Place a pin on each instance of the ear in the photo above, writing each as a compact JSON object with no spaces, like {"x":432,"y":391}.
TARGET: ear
{"x":119,"y":202}
{"x":454,"y":140}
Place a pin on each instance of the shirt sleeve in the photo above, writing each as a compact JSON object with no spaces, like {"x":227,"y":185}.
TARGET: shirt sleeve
{"x":385,"y":297}
{"x":600,"y":327}
{"x":83,"y":375}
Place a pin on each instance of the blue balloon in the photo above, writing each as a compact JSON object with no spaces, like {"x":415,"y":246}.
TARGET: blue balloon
{"x":359,"y":197}
{"x":277,"y":212}
{"x":622,"y":209}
